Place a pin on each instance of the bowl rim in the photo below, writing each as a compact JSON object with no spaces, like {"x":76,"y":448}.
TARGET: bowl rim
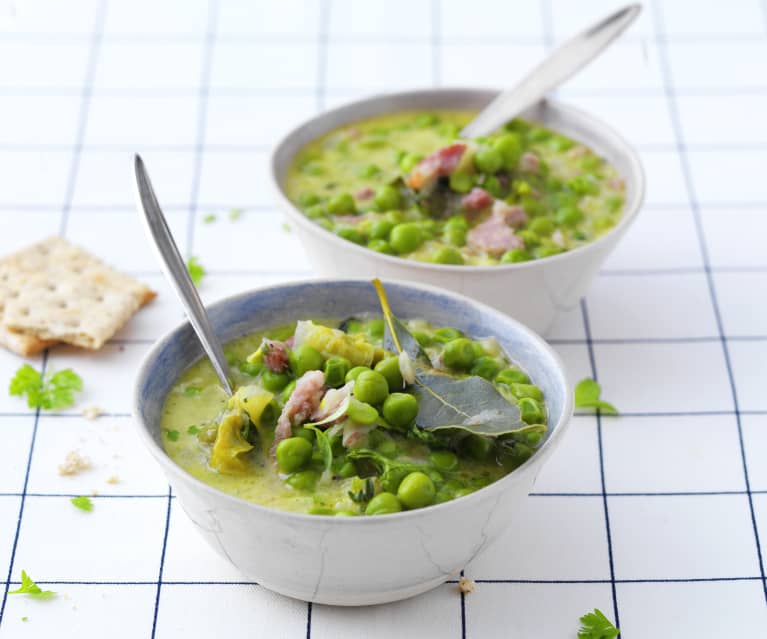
{"x":485,"y":492}
{"x":635,"y":175}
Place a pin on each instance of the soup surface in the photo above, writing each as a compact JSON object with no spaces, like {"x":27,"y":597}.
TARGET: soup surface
{"x":325,"y":420}
{"x":405,"y":185}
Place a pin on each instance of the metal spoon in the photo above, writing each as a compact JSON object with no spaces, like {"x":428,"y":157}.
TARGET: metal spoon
{"x":568,"y":58}
{"x":175,"y":270}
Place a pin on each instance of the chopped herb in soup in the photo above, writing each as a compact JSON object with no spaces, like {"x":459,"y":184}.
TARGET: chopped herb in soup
{"x":405,"y":185}
{"x":364,"y":416}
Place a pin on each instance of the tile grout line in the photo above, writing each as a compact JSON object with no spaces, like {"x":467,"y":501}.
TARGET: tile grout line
{"x":23,"y":500}
{"x":608,"y":531}
{"x":668,"y":83}
{"x":82,"y":121}
{"x":162,"y":564}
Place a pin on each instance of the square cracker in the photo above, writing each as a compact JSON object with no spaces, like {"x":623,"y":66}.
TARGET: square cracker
{"x":56,"y":291}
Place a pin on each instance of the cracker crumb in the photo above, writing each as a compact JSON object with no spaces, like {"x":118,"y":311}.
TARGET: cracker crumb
{"x":113,"y":479}
{"x":92,"y":412}
{"x":74,"y":463}
{"x":94,"y":492}
{"x":466,"y":585}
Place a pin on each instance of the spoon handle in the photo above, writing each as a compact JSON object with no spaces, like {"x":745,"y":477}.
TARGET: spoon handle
{"x":176,"y":272}
{"x":555,"y":69}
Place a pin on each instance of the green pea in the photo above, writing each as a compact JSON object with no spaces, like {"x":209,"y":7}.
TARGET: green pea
{"x":531,"y":410}
{"x":380,"y":246}
{"x":485,"y":367}
{"x":447,"y":334}
{"x":603,"y":222}
{"x":252,"y":369}
{"x":478,"y":349}
{"x":348,"y":469}
{"x":350,"y":234}
{"x":368,"y":171}
{"x":456,"y":221}
{"x":336,"y":369}
{"x":320,"y":510}
{"x":488,"y":160}
{"x":376,"y":328}
{"x":387,"y":448}
{"x":478,"y":447}
{"x":463,"y":492}
{"x":408,"y":162}
{"x":303,"y":480}
{"x":316,"y":212}
{"x":526,"y":390}
{"x":341,"y":204}
{"x":459,"y":353}
{"x":383,"y":504}
{"x":447,"y":255}
{"x":400,"y":409}
{"x":493,"y":186}
{"x":424,"y":120}
{"x":381,"y":229}
{"x":547,"y":251}
{"x":308,"y":199}
{"x":345,"y":513}
{"x":461,"y":182}
{"x":306,"y":433}
{"x":542,"y":226}
{"x":615,"y":203}
{"x":512,"y":256}
{"x":534,"y":438}
{"x":455,"y":236}
{"x":512,"y":376}
{"x":416,"y":490}
{"x":510,"y":147}
{"x":386,"y":198}
{"x":304,"y":358}
{"x":293,"y":453}
{"x":406,"y":238}
{"x":444,"y":460}
{"x":569,"y":215}
{"x":389,"y":368}
{"x":530,"y":238}
{"x":395,"y":217}
{"x":274,"y":382}
{"x":583,"y":185}
{"x":325,"y":223}
{"x":288,"y":391}
{"x":390,"y":481}
{"x":371,"y":387}
{"x":361,"y":413}
{"x":354,"y":373}
{"x":423,"y":339}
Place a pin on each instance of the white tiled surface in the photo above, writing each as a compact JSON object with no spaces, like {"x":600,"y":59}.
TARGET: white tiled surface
{"x":656,"y":517}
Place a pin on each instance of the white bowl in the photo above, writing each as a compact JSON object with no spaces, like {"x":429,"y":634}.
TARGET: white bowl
{"x":350,"y":560}
{"x":533,"y":292}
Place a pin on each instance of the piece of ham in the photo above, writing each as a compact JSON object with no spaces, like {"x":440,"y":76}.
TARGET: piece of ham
{"x":331,"y":402}
{"x":275,"y":355}
{"x":349,"y":220}
{"x":494,"y":237}
{"x":364,"y":194}
{"x":510,"y":214}
{"x":439,"y":164}
{"x":301,"y":404}
{"x":529,"y":162}
{"x":476,"y":200}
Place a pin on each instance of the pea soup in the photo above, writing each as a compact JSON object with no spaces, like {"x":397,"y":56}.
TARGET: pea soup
{"x":404,"y":184}
{"x":340,"y":418}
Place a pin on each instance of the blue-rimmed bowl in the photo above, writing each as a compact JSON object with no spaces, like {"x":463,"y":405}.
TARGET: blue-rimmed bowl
{"x":350,"y":560}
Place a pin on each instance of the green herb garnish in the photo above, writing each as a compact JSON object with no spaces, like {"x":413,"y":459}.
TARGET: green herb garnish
{"x":286,"y":227}
{"x":172,"y":435}
{"x":192,"y":391}
{"x":83,"y":503}
{"x":209,"y":218}
{"x":196,"y":270}
{"x":192,"y":430}
{"x":364,"y":494}
{"x":29,"y":587}
{"x":235,"y":214}
{"x":49,"y":391}
{"x":587,"y":394}
{"x":594,"y":625}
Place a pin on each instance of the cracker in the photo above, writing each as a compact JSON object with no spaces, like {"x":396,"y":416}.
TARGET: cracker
{"x":22,"y":343}
{"x":57,"y":291}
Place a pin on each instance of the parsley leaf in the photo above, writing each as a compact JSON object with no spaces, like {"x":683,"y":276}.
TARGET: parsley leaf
{"x":235,"y":214}
{"x":192,"y":391}
{"x":196,"y":270}
{"x":587,"y":394}
{"x":29,"y":587}
{"x":83,"y":503}
{"x":172,"y":435}
{"x":49,"y":391}
{"x":192,"y":430}
{"x":364,"y":494}
{"x":594,"y":625}
{"x":209,"y":218}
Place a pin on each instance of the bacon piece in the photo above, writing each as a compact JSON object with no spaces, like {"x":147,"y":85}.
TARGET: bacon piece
{"x":494,"y":237}
{"x":364,"y":194}
{"x":349,"y":220}
{"x":275,"y":355}
{"x":477,"y":199}
{"x":438,"y":164}
{"x":511,"y":215}
{"x":529,"y":162}
{"x":303,"y":401}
